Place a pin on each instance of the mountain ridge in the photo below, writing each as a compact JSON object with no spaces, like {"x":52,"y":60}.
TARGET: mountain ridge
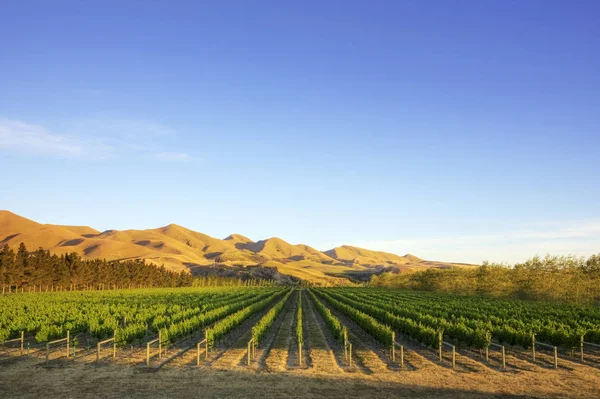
{"x":179,"y":248}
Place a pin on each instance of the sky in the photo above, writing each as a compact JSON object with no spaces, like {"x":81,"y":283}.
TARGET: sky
{"x":453,"y":130}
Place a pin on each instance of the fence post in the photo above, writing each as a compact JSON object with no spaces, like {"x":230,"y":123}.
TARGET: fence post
{"x":533,"y":346}
{"x":555,"y":357}
{"x":22,"y":341}
{"x":503,"y":358}
{"x":147,"y":354}
{"x":68,"y":343}
{"x":487,"y":354}
{"x":581,"y":348}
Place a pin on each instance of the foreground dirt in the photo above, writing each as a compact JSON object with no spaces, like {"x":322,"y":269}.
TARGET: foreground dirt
{"x":26,"y":378}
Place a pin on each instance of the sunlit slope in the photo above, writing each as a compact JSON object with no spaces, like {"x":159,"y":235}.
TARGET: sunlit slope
{"x":179,"y":248}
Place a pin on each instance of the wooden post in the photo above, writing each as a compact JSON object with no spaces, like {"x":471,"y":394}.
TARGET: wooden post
{"x":147,"y":354}
{"x":98,"y":352}
{"x":198,"y":355}
{"x":249,"y":351}
{"x":47,"y":353}
{"x":402,"y":356}
{"x":68,"y":339}
{"x":581,"y":348}
{"x":555,"y":357}
{"x":115,"y":344}
{"x":503,"y":358}
{"x":350,"y":357}
{"x":22,"y":342}
{"x":345,"y":351}
{"x":487,"y":354}
{"x":533,"y":346}
{"x":440,"y":345}
{"x":453,"y":356}
{"x":393,"y":346}
{"x":159,"y":345}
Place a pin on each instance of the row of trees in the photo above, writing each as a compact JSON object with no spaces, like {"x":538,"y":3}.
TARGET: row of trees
{"x":25,"y":270}
{"x":554,"y":278}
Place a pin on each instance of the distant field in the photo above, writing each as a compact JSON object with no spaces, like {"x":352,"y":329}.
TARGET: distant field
{"x":298,"y":342}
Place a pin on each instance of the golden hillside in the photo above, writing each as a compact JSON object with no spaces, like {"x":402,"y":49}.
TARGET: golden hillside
{"x":179,"y":249}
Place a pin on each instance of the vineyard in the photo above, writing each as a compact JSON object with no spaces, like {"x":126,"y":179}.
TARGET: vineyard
{"x":331,"y":330}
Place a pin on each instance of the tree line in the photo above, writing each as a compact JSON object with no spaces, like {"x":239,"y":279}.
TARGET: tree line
{"x":42,"y":271}
{"x":551,"y":278}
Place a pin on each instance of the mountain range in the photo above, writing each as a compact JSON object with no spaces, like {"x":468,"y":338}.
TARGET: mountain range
{"x":179,"y":248}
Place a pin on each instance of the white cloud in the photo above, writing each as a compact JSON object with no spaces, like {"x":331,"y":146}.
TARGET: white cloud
{"x":36,"y":140}
{"x":581,"y":238}
{"x":93,"y":139}
{"x":173,"y":156}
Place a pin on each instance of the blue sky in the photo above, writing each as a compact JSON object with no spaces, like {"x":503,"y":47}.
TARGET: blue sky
{"x":457,"y":131}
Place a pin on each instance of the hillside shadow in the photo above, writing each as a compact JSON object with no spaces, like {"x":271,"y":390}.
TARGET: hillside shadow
{"x":72,"y":243}
{"x":8,"y":238}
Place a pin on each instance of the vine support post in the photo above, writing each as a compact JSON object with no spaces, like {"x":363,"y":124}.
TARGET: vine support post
{"x":159,"y":345}
{"x":147,"y":354}
{"x":556,"y":357}
{"x":22,"y":342}
{"x":533,"y":346}
{"x":440,"y":344}
{"x":503,"y":358}
{"x":114,"y":344}
{"x":453,"y":357}
{"x":249,"y":351}
{"x":581,"y":348}
{"x":393,"y":346}
{"x":487,"y":354}
{"x":350,"y":357}
{"x":402,"y":356}
{"x":198,"y":355}
{"x":68,"y":341}
{"x":206,"y":343}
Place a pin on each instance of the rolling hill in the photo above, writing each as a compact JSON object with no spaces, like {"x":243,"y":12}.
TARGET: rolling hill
{"x":179,"y":249}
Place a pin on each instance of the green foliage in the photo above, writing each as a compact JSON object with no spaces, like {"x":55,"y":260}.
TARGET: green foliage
{"x":565,"y":279}
{"x":134,"y":314}
{"x":46,"y":271}
{"x":473,"y":321}
{"x":334,"y":324}
{"x":263,"y":325}
{"x":223,"y":326}
{"x":299,"y":334}
{"x":379,"y":331}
